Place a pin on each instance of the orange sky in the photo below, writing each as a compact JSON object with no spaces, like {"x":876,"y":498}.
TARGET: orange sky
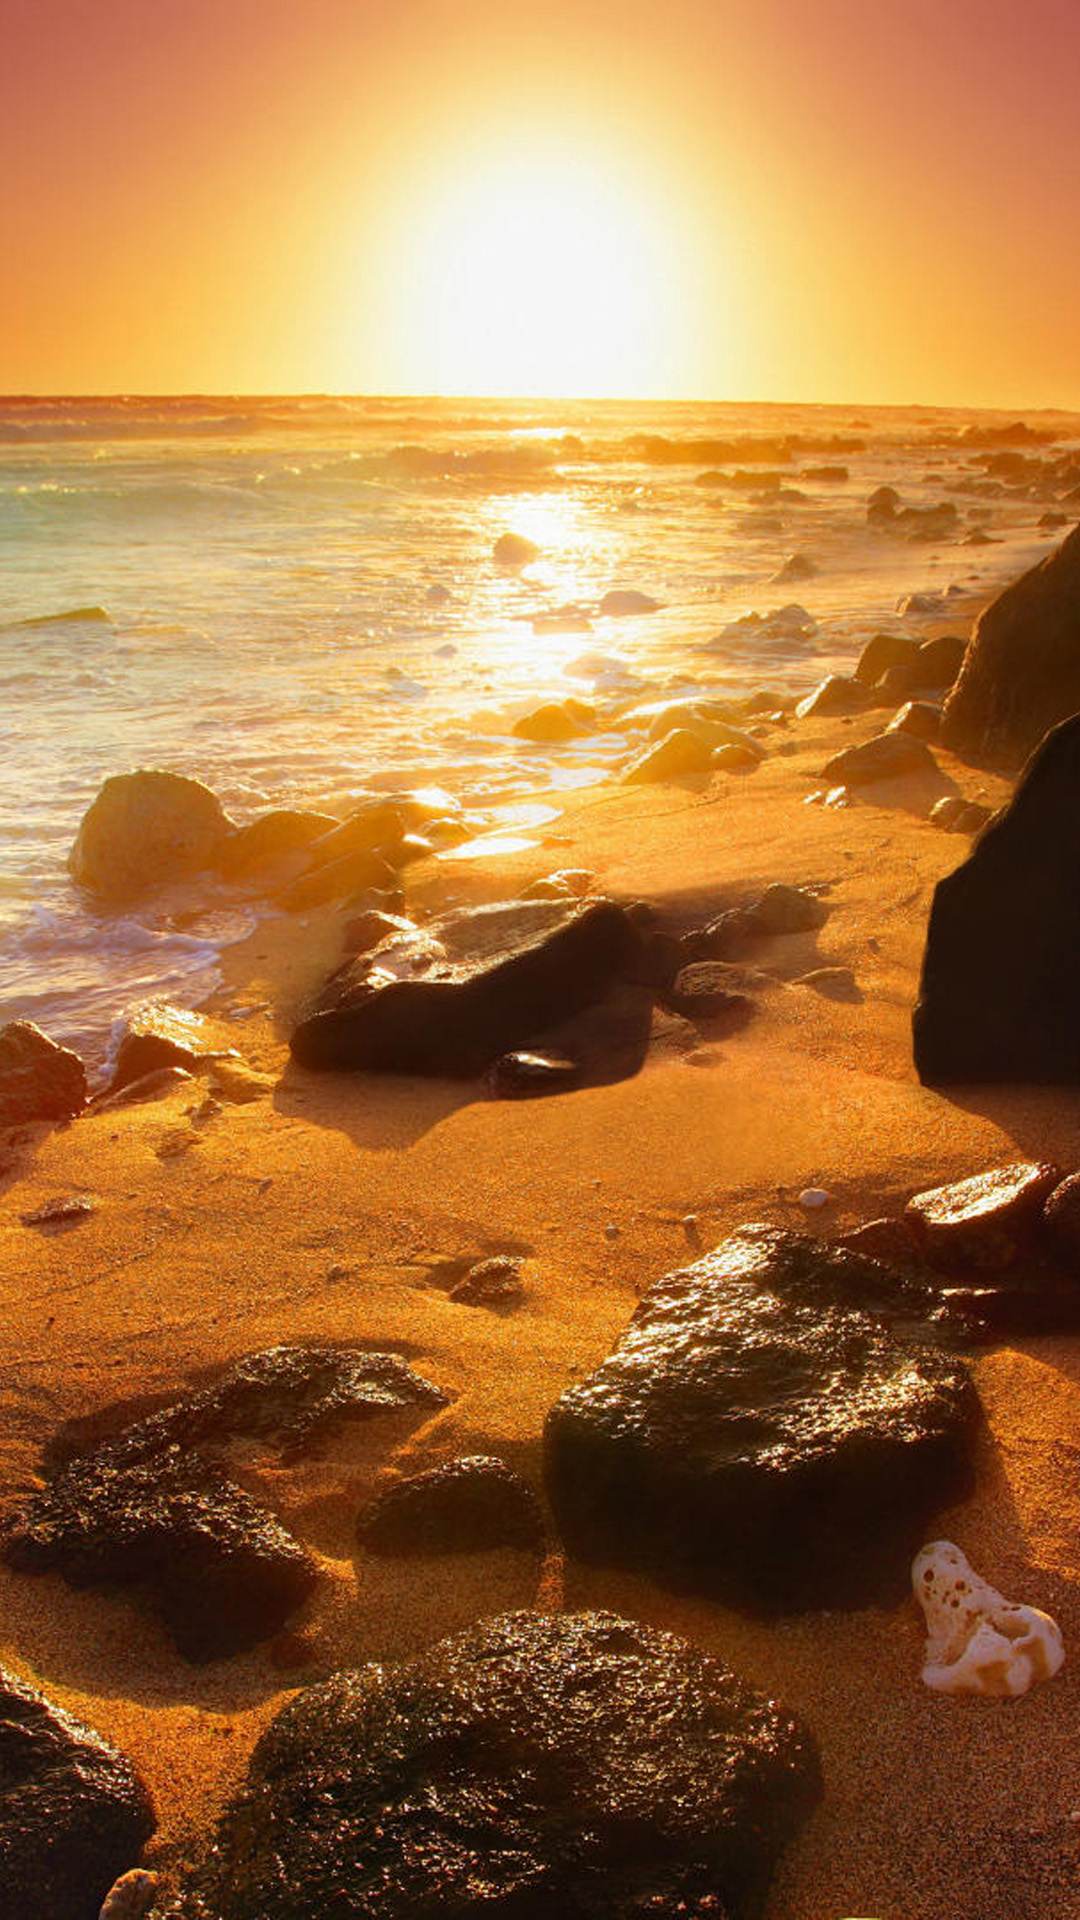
{"x":745,"y":199}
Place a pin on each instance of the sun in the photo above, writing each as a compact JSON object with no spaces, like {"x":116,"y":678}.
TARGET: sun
{"x":539,"y":272}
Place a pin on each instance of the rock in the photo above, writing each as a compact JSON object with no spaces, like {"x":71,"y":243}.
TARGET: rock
{"x":839,"y":693}
{"x":67,"y":1210}
{"x":732,"y":759}
{"x":573,"y":1765}
{"x":131,"y":1897}
{"x":977,"y":1642}
{"x":527,"y":1075}
{"x":145,"y":829}
{"x":513,"y":550}
{"x":555,"y":722}
{"x":891,"y":1240}
{"x":897,"y":684}
{"x":271,"y":839}
{"x":510,"y":974}
{"x":798,"y":566}
{"x":939,"y":661}
{"x":153,"y":1506}
{"x":1061,"y":1214}
{"x":469,"y":1505}
{"x":157,"y":1035}
{"x":701,"y":992}
{"x":336,"y":879}
{"x":38,"y":1079}
{"x":490,"y":1283}
{"x":700,"y":719}
{"x":812,"y":1199}
{"x":376,"y":826}
{"x":836,"y":983}
{"x":783,"y":909}
{"x":679,"y":753}
{"x":150,"y":1086}
{"x":948,"y":813}
{"x":972,"y":817}
{"x":886,"y":757}
{"x":917,"y":718}
{"x":997,"y":997}
{"x":1021,"y":672}
{"x":239,"y":1084}
{"x":756,"y":1435}
{"x":73,"y":1811}
{"x":885,"y":650}
{"x":620,"y":601}
{"x":978,"y":1222}
{"x":882,"y":506}
{"x":369,"y":929}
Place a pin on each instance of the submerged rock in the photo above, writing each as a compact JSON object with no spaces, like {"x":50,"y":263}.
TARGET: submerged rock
{"x":39,"y":1080}
{"x":555,"y":722}
{"x":577,"y":1765}
{"x":467,"y":1505}
{"x":1021,"y":671}
{"x":997,"y":996}
{"x":73,"y":1811}
{"x":486,"y":983}
{"x":756,"y":1434}
{"x":514,"y":550}
{"x":145,"y":829}
{"x":976,"y":1641}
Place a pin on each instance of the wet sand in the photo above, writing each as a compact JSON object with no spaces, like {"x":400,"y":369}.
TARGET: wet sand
{"x":329,"y":1207}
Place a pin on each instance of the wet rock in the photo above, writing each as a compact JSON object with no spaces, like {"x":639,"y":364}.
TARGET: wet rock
{"x":1061,"y":1215}
{"x":939,"y":661}
{"x":677,"y":754}
{"x":528,"y":1075}
{"x":979,"y":1222}
{"x":490,"y":1283}
{"x":145,"y":829}
{"x":369,"y":929}
{"x":469,"y":1505}
{"x":620,"y":601}
{"x":153,"y":1507}
{"x":557,"y":721}
{"x":948,"y":813}
{"x":882,"y":506}
{"x":917,"y":718}
{"x":757,"y":1435}
{"x":577,"y":1765}
{"x":38,"y":1079}
{"x":157,"y":1035}
{"x":886,"y":757}
{"x":494,"y":982}
{"x":271,"y":839}
{"x":1021,"y":672}
{"x":73,"y":1811}
{"x":997,"y":997}
{"x":883,"y":651}
{"x":337,"y":879}
{"x":839,"y":693}
{"x":890,"y":1239}
{"x":514,"y":550}
{"x":798,"y":566}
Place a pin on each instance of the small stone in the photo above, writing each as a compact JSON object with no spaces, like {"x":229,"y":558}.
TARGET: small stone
{"x":620,"y":601}
{"x":836,"y":983}
{"x":947,"y":813}
{"x":783,"y":909}
{"x":67,"y":1210}
{"x":611,"y":1231}
{"x":838,"y":694}
{"x":157,"y":1035}
{"x":131,"y":1897}
{"x":528,"y":1075}
{"x":918,"y":718}
{"x":490,"y":1283}
{"x":811,"y":1199}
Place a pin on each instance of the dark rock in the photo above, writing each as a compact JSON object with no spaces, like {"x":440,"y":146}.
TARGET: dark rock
{"x":885,"y":757}
{"x":701,"y":992}
{"x":1021,"y":672}
{"x":152,"y":1505}
{"x":972,"y":817}
{"x":839,"y":693}
{"x":755,"y":1435}
{"x":882,"y":507}
{"x":490,"y":1283}
{"x":513,"y":550}
{"x":680,"y":752}
{"x":469,"y":1505}
{"x":271,"y":839}
{"x":917,"y":718}
{"x":1061,"y":1214}
{"x":1051,"y":519}
{"x":74,"y":1813}
{"x":576,"y":1765}
{"x":38,"y":1079}
{"x":891,"y":1240}
{"x":783,"y":909}
{"x":948,"y":812}
{"x":980,"y":1222}
{"x":505,"y":977}
{"x":997,"y":998}
{"x":145,"y":829}
{"x":156,"y":1035}
{"x":620,"y":601}
{"x":885,"y":650}
{"x":529,"y":1075}
{"x":553,"y":723}
{"x":939,"y":661}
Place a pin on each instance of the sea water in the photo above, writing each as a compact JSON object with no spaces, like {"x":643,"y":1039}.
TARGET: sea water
{"x":297,"y":601}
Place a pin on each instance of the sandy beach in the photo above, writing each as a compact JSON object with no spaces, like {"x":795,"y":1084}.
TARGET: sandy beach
{"x":332,"y":1208}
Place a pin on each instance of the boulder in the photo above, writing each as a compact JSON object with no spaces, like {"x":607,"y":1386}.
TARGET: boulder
{"x":883,"y":651}
{"x":39,"y":1080}
{"x":271,"y":839}
{"x":557,"y":721}
{"x":469,"y":1505}
{"x":145,"y":829}
{"x":73,"y":1811}
{"x":578,"y":1765}
{"x":485,"y":983}
{"x":620,"y":601}
{"x":939,"y":661}
{"x":1021,"y":671}
{"x":514,"y":550}
{"x":997,"y":996}
{"x":758,"y":1435}
{"x":157,"y":1035}
{"x":680,"y":752}
{"x":886,"y":757}
{"x":917,"y":718}
{"x":838,"y":694}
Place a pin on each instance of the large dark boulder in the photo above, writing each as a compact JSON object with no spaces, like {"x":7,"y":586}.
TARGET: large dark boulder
{"x":145,"y":829}
{"x":74,"y":1813}
{"x":153,"y":1506}
{"x":475,"y":987}
{"x":758,"y":1435}
{"x":568,"y":1767}
{"x":39,"y":1080}
{"x":1021,"y":672}
{"x":998,"y":994}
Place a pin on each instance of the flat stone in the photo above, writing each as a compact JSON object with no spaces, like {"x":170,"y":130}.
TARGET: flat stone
{"x":469,"y":1505}
{"x":73,"y":1811}
{"x":701,"y":992}
{"x":886,"y":757}
{"x":835,"y":983}
{"x":980,"y":1221}
{"x":157,"y":1035}
{"x":576,"y":1765}
{"x":145,"y":829}
{"x":757,"y":1435}
{"x":39,"y":1080}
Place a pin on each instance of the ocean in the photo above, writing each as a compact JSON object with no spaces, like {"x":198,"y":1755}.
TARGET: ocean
{"x":297,"y":601}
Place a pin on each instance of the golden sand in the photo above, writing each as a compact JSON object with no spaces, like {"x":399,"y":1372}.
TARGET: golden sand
{"x":326,"y":1208}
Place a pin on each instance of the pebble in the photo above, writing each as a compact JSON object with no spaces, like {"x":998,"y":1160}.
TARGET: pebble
{"x":811,"y":1198}
{"x":611,"y":1231}
{"x":131,"y":1896}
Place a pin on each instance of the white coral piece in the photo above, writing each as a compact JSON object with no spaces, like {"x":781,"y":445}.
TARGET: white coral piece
{"x":978,"y":1642}
{"x":131,"y":1896}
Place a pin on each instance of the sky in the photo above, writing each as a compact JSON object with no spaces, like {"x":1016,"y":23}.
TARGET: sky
{"x":699,"y":199}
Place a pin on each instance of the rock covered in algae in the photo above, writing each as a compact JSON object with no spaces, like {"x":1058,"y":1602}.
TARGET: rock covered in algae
{"x":73,"y":1811}
{"x":577,"y":1766}
{"x":976,"y":1641}
{"x":758,"y":1434}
